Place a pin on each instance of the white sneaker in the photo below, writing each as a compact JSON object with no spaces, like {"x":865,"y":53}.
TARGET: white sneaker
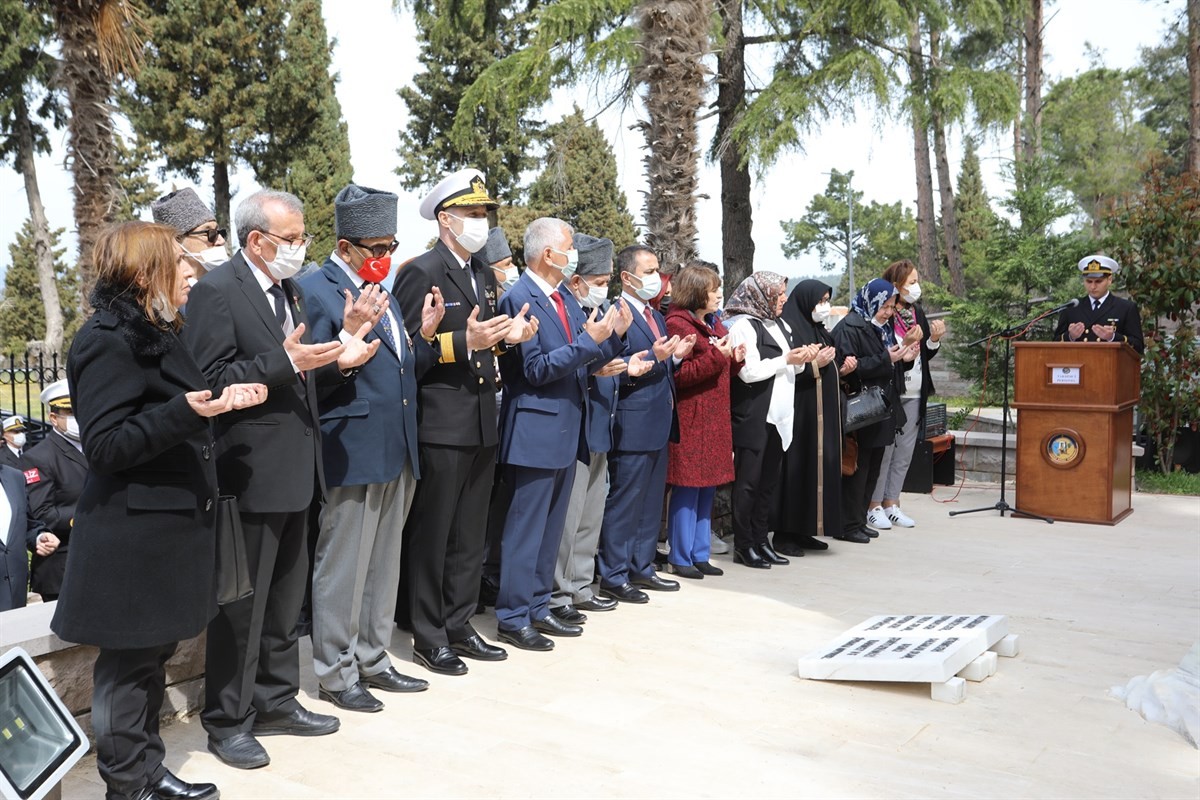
{"x":718,"y":546}
{"x":900,"y":518}
{"x":877,"y":519}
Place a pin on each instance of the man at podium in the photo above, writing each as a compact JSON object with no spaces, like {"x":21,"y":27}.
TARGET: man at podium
{"x":1100,"y":316}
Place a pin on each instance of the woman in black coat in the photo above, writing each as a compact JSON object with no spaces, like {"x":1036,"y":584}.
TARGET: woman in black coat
{"x":866,"y":333}
{"x":139,"y":572}
{"x":808,"y":499}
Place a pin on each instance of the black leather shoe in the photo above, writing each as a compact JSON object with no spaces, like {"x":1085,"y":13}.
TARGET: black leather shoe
{"x":597,"y":604}
{"x":707,"y":568}
{"x":475,"y":647}
{"x":655,"y":583}
{"x":171,"y":787}
{"x":813,"y":543}
{"x":356,"y":698}
{"x":526,"y":638}
{"x":569,"y":614}
{"x":241,"y":751}
{"x":625,"y":593}
{"x":300,"y":722}
{"x":869,"y":532}
{"x":553,"y":626}
{"x":392,"y":681}
{"x":788,"y":548}
{"x":440,"y":660}
{"x":858,"y":537}
{"x":770,"y":556}
{"x":685,"y":571}
{"x":750,"y":557}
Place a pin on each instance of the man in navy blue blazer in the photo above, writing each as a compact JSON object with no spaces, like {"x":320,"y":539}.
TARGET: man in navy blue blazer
{"x":369,"y":437}
{"x":542,"y":429}
{"x":644,"y":421}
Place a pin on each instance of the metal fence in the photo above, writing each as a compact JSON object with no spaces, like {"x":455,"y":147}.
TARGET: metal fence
{"x":22,"y":378}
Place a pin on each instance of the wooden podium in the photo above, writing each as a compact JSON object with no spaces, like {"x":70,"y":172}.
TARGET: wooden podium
{"x":1075,"y":429}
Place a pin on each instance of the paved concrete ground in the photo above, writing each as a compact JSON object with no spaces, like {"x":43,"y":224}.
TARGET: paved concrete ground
{"x":696,"y":694}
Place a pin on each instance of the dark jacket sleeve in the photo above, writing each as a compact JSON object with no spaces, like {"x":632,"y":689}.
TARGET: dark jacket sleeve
{"x":42,"y":505}
{"x":211,"y":336}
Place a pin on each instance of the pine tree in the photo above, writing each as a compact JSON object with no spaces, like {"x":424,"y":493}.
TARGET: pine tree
{"x":22,"y":315}
{"x":459,"y":41}
{"x":976,"y":219}
{"x":136,"y":191}
{"x":579,"y":182}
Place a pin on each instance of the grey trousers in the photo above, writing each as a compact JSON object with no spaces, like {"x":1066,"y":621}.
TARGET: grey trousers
{"x":355,"y":572}
{"x":898,"y":455}
{"x":575,"y":568}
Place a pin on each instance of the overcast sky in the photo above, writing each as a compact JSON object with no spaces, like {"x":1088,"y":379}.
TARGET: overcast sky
{"x":376,"y":53}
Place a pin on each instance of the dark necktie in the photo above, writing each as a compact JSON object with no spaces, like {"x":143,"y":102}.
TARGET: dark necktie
{"x":649,"y":314}
{"x":1095,"y":305}
{"x":562,"y":313}
{"x":276,"y":292}
{"x":385,"y":322}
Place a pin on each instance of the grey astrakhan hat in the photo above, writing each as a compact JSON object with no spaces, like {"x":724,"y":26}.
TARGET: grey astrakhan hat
{"x":595,"y":255}
{"x":497,"y":248}
{"x":364,"y":213}
{"x":183,"y":210}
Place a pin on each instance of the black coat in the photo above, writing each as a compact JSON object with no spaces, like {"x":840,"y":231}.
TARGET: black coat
{"x":854,"y":336}
{"x":23,"y":531}
{"x":10,"y":459}
{"x":140,"y":568}
{"x":268,"y":455}
{"x":1114,"y":310}
{"x":54,"y":477}
{"x":457,"y":396}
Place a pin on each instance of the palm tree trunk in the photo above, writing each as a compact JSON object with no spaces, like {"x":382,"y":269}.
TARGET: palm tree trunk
{"x":737,"y":241}
{"x":926,"y":228}
{"x":43,"y":252}
{"x":674,"y":44}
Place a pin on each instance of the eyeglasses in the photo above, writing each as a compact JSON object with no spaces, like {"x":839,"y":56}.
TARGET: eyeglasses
{"x":376,"y":250}
{"x":211,"y":234}
{"x":304,"y":239}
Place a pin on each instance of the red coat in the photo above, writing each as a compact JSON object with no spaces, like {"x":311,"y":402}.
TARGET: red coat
{"x":704,"y":454}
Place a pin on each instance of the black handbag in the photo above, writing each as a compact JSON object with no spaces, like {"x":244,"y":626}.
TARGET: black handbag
{"x":233,"y":569}
{"x":865,"y":408}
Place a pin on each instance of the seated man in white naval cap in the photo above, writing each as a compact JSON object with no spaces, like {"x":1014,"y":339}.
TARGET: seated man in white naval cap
{"x":55,"y":470}
{"x":1100,"y":316}
{"x":14,"y":442}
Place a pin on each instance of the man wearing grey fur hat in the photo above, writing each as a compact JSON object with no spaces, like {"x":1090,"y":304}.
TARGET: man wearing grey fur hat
{"x":499,"y":257}
{"x":370,"y":459}
{"x":196,"y":227}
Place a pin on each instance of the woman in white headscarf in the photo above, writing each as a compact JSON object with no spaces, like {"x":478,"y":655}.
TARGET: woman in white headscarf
{"x":762,"y":399}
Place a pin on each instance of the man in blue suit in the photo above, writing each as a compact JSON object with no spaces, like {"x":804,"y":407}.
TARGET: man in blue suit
{"x":369,"y":436}
{"x":542,"y":426}
{"x":645,"y":420}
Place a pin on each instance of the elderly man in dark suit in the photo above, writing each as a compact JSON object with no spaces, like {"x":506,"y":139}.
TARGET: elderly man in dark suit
{"x":542,"y":429}
{"x":369,"y":444}
{"x":20,"y":535}
{"x":247,"y":324}
{"x":55,"y":469}
{"x":457,"y":424}
{"x":1100,"y":316}
{"x":637,"y":463}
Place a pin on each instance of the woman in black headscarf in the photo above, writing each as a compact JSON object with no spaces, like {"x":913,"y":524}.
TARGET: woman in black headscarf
{"x":808,"y":500}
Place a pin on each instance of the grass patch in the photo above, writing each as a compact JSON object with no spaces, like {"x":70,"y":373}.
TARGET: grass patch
{"x":1178,"y":482}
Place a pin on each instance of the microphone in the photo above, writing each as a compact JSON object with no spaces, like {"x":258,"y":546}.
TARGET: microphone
{"x":1069,"y":304}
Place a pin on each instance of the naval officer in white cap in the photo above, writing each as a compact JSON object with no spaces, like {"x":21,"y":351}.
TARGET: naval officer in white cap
{"x":1100,"y":316}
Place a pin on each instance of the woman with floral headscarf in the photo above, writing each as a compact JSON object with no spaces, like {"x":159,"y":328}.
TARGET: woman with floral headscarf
{"x":762,"y":409}
{"x":867,"y":334}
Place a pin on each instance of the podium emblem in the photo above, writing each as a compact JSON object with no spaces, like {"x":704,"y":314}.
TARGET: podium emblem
{"x":1062,"y":448}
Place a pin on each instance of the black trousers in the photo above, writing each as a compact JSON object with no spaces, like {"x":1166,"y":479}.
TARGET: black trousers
{"x":497,"y":512}
{"x":252,"y":651}
{"x":755,"y":475}
{"x":126,"y":701}
{"x":445,"y":540}
{"x":857,"y":487}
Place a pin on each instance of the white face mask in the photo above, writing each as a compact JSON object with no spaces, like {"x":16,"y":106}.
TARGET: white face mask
{"x":474,"y":233}
{"x":210,"y":258}
{"x":18,"y":440}
{"x":510,"y":278}
{"x":595,"y":297}
{"x":821,"y":312}
{"x":72,"y":431}
{"x":572,"y":263}
{"x":289,"y":258}
{"x":913,"y":294}
{"x":651,"y":286}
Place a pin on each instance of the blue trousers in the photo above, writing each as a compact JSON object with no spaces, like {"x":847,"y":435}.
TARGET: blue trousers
{"x":689,"y":524}
{"x":529,"y":544}
{"x":632,"y":515}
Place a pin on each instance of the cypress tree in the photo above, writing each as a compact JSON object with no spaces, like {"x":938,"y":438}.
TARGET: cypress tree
{"x":976,"y":219}
{"x":22,"y":315}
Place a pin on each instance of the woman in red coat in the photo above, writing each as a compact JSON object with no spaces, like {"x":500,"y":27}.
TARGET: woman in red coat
{"x":703,"y":458}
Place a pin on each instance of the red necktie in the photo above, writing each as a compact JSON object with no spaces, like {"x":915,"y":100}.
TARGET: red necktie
{"x":562,"y":313}
{"x":650,"y":321}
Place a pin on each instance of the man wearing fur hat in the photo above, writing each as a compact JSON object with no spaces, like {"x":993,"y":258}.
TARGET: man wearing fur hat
{"x":197,"y":229}
{"x":1100,"y":316}
{"x":369,"y":452}
{"x":457,"y":424}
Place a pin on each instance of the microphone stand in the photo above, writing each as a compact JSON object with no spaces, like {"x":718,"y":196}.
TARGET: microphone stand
{"x":1007,"y":334}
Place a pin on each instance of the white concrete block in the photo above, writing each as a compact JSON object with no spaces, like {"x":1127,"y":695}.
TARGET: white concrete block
{"x":953,"y":691}
{"x":1008,"y":647}
{"x":981,"y":668}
